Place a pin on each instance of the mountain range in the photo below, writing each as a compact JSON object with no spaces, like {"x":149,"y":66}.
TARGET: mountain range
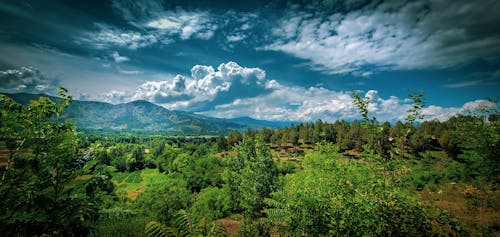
{"x":143,"y":116}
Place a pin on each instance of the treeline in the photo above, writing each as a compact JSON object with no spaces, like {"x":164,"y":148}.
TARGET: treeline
{"x":392,"y":140}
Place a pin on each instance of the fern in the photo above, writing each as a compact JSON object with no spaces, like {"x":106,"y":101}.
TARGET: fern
{"x":184,"y":226}
{"x":156,"y":229}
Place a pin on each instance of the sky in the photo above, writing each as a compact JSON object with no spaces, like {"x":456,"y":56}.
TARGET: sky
{"x":268,"y":60}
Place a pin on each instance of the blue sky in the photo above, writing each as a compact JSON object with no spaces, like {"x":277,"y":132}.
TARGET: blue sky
{"x":271,"y":60}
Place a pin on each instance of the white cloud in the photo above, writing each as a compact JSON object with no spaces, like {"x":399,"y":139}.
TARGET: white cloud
{"x":394,"y":35}
{"x":203,"y":87}
{"x":128,"y":72}
{"x":235,"y":37}
{"x":108,"y":36}
{"x":118,"y":58}
{"x":442,"y":114}
{"x":294,"y":103}
{"x":164,"y":24}
{"x":155,"y":26}
{"x":184,"y":24}
{"x":115,"y":97}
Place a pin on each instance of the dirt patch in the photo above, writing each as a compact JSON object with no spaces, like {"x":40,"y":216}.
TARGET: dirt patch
{"x":230,"y":225}
{"x":353,"y":153}
{"x":133,"y":194}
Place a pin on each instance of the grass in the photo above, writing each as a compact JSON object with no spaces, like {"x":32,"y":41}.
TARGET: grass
{"x":134,"y":183}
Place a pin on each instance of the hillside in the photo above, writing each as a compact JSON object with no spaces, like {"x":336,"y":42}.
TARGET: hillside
{"x":136,"y":116}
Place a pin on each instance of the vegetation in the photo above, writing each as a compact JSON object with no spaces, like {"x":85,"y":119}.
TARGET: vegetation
{"x":359,"y":178}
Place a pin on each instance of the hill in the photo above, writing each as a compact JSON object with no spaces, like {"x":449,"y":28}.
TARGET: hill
{"x":136,"y":116}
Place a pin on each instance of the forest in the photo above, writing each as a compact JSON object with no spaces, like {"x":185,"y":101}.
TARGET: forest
{"x":346,"y":178}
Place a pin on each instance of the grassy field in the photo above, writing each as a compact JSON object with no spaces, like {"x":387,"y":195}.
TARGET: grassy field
{"x":134,"y":183}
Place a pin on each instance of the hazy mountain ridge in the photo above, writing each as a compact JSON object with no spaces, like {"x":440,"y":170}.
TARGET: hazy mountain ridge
{"x":140,"y":116}
{"x":256,"y":123}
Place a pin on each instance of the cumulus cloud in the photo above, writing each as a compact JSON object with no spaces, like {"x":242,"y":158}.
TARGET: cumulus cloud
{"x":294,"y":103}
{"x":203,"y":89}
{"x":442,"y":114}
{"x":27,"y":79}
{"x":393,"y":35}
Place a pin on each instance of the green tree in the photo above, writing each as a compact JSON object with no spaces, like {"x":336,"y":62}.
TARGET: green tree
{"x":212,"y":203}
{"x":39,"y":189}
{"x":371,"y":125}
{"x":250,"y":176}
{"x":414,"y":114}
{"x":234,"y":138}
{"x":163,"y":200}
{"x":221,"y":143}
{"x":136,"y":160}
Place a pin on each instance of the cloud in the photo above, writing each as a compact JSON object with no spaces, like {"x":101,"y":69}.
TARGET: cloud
{"x":114,"y":97}
{"x":27,"y":79}
{"x":128,"y":72}
{"x":118,"y":58}
{"x":464,"y":84}
{"x":443,"y":114}
{"x":391,"y":35}
{"x":184,"y":24}
{"x":235,"y":37}
{"x":151,"y":27}
{"x":203,"y":89}
{"x":108,"y":36}
{"x":292,"y":103}
{"x":155,"y":17}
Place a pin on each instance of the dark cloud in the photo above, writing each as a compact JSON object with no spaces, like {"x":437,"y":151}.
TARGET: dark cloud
{"x":27,"y":79}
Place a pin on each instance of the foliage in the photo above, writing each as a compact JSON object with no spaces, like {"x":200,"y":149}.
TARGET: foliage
{"x":47,"y":187}
{"x":250,"y":176}
{"x":163,"y":200}
{"x":185,"y":226}
{"x":347,"y":199}
{"x":212,"y":203}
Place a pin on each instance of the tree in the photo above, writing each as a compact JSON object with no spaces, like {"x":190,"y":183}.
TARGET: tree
{"x":480,"y":146}
{"x":38,"y":188}
{"x":212,"y":203}
{"x":371,"y":125}
{"x":234,"y":138}
{"x":250,"y":176}
{"x":136,"y":160}
{"x":414,"y":114}
{"x":163,"y":200}
{"x":344,"y":141}
{"x":221,"y":143}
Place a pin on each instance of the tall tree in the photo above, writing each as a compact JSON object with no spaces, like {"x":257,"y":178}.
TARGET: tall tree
{"x":250,"y":176}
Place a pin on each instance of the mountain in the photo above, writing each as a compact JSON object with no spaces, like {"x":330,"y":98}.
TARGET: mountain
{"x":136,"y":116}
{"x":256,"y":124}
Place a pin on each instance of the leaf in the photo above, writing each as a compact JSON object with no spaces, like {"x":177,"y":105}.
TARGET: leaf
{"x":156,"y":229}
